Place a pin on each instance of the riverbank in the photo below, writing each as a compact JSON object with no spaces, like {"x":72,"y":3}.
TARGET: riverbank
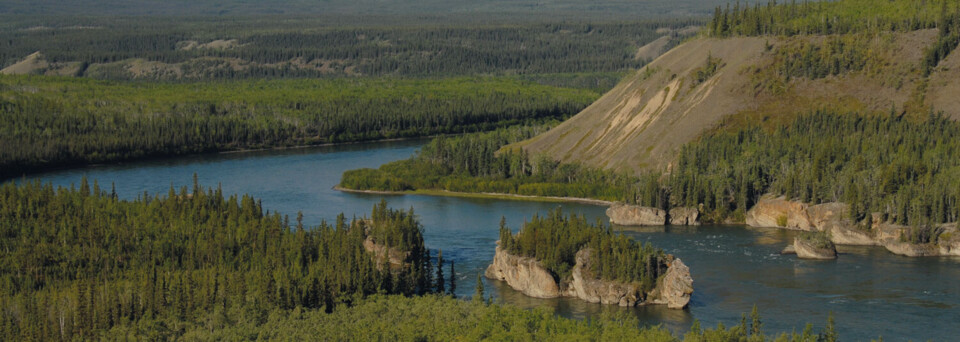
{"x":482,"y":195}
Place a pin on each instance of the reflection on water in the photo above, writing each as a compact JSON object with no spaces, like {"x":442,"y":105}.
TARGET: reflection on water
{"x":872,"y":292}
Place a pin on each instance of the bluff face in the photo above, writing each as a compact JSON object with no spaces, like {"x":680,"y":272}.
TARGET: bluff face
{"x":641,"y":123}
{"x":834,"y":218}
{"x":528,"y":276}
{"x":634,"y":215}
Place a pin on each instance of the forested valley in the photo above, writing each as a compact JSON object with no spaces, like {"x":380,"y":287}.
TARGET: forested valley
{"x":174,"y":86}
{"x":56,"y":122}
{"x":79,"y":263}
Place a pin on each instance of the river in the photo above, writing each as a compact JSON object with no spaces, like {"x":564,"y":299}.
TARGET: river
{"x":871,"y":292}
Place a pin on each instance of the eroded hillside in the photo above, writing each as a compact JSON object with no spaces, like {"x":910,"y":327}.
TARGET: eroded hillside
{"x":698,"y":85}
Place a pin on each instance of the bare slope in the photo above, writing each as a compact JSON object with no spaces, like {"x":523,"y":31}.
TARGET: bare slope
{"x":643,"y":121}
{"x":29,"y":64}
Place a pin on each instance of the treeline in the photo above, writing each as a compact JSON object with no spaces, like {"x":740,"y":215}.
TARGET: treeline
{"x":813,"y":60}
{"x":863,"y":17}
{"x":79,"y":263}
{"x":48,"y":122}
{"x":907,"y":169}
{"x":434,"y":318}
{"x":827,"y":17}
{"x":203,"y":48}
{"x":554,"y":240}
{"x":472,"y":163}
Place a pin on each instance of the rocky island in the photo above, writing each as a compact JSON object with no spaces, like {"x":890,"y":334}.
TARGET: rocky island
{"x":834,"y":220}
{"x":635,"y":215}
{"x":816,"y":246}
{"x":570,"y":262}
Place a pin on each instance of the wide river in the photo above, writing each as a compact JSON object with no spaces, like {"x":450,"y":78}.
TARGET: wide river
{"x":871,"y":292}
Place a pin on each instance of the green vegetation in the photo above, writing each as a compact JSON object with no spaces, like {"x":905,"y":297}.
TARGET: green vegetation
{"x":844,"y":17}
{"x":909,"y":170}
{"x":372,"y":10}
{"x":206,"y":48}
{"x":81,"y":264}
{"x":555,"y":239}
{"x":833,"y":56}
{"x":828,"y":17}
{"x":922,"y":235}
{"x":52,"y":122}
{"x":435,"y":318}
{"x":818,"y":239}
{"x":471,"y":163}
{"x":704,"y":73}
{"x":948,"y":38}
{"x":906,"y":169}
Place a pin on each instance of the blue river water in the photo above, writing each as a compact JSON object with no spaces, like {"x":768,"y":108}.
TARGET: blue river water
{"x":872,"y":293}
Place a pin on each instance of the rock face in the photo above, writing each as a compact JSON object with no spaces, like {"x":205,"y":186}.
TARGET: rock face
{"x":684,"y":217}
{"x":806,"y":250}
{"x":635,"y":215}
{"x":529,"y":277}
{"x":675,"y":288}
{"x":381,"y":253}
{"x":779,"y":213}
{"x":523,"y":274}
{"x":598,"y":291}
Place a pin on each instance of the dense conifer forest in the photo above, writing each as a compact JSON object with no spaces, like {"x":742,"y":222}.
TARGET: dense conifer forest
{"x":554,"y":240}
{"x":471,"y":163}
{"x":864,"y":18}
{"x":53,"y":122}
{"x":79,"y":263}
{"x":205,"y":48}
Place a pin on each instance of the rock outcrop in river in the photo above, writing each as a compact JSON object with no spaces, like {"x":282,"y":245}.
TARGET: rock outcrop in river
{"x":523,"y":274}
{"x":834,"y":218}
{"x":635,"y":215}
{"x":529,"y":277}
{"x":805,"y":249}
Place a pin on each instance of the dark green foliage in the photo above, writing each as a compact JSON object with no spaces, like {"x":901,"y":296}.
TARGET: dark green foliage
{"x":471,"y":163}
{"x":79,"y":262}
{"x":325,"y":47}
{"x":478,"y":291}
{"x":818,"y":239}
{"x":909,"y":170}
{"x":437,"y":318}
{"x":948,"y":38}
{"x":704,"y":73}
{"x":52,"y":122}
{"x":825,"y":17}
{"x":555,"y":239}
{"x":922,"y":235}
{"x":833,"y":56}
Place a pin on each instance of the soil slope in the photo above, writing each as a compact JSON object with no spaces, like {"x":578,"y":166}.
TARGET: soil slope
{"x":642,"y":122}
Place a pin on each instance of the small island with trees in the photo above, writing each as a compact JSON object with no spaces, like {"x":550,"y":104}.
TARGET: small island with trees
{"x":565,"y":256}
